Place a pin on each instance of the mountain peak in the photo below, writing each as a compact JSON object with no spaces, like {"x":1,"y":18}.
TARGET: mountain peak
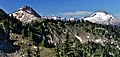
{"x":102,"y":11}
{"x":29,"y":10}
{"x":25,"y":14}
{"x":1,"y":10}
{"x":25,"y":8}
{"x":102,"y":17}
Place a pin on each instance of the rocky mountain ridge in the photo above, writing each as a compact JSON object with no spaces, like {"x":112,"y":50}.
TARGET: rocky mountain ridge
{"x":25,"y":14}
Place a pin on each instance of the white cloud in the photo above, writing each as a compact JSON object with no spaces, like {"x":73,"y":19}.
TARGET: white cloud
{"x":117,"y":15}
{"x":77,"y":13}
{"x":40,"y":13}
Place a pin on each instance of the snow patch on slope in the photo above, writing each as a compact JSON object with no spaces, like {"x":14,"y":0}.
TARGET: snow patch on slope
{"x":79,"y":38}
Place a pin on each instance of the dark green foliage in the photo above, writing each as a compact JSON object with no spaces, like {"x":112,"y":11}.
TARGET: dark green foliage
{"x":66,"y":49}
{"x":40,"y":32}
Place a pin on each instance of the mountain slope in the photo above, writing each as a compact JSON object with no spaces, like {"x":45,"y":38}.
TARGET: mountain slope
{"x":25,"y":14}
{"x":71,"y":35}
{"x":6,"y":44}
{"x":102,"y":17}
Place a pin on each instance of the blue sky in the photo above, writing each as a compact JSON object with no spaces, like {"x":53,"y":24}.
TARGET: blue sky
{"x":65,"y":8}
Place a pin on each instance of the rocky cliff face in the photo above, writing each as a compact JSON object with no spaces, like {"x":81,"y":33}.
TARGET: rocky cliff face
{"x":25,"y":14}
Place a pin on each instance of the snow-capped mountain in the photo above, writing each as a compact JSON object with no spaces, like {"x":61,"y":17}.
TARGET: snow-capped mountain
{"x":102,"y":17}
{"x":72,"y":19}
{"x":54,"y":17}
{"x":25,"y":14}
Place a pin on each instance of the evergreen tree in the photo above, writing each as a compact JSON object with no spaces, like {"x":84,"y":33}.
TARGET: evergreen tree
{"x":65,"y":49}
{"x":23,"y":32}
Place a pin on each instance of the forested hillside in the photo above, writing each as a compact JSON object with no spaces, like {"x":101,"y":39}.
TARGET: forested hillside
{"x":57,"y":38}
